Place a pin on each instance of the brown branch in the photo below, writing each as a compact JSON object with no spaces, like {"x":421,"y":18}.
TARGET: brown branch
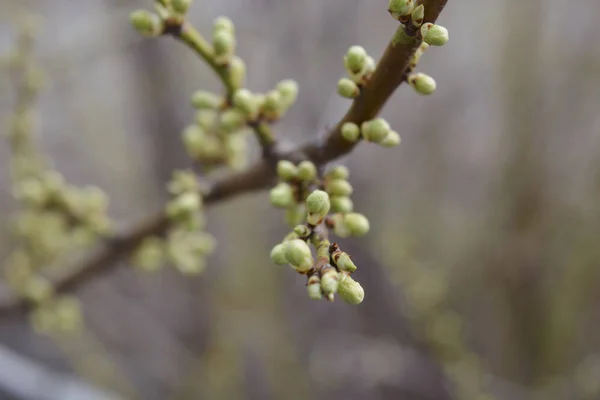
{"x":387,"y":77}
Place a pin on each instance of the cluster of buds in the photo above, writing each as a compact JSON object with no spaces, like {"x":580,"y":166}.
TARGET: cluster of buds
{"x":377,"y":131}
{"x":316,"y":205}
{"x":168,"y":13}
{"x":186,"y":244}
{"x":413,"y":28}
{"x":359,"y":66}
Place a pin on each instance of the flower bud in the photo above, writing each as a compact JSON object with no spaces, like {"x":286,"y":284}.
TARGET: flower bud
{"x":231,"y":121}
{"x":341,"y":204}
{"x":272,"y":106}
{"x":400,"y":8}
{"x":288,"y":89}
{"x":343,"y":261}
{"x":339,"y":187}
{"x":181,"y":6}
{"x":286,"y":170}
{"x":307,"y":171}
{"x":245,"y":101}
{"x":349,"y":290}
{"x":318,"y":203}
{"x":391,"y":140}
{"x":225,"y":24}
{"x":146,"y":23}
{"x":150,"y":254}
{"x":356,"y":59}
{"x":329,"y":280}
{"x":348,"y":88}
{"x":357,"y":224}
{"x":350,"y":131}
{"x":224,"y":45}
{"x":313,"y":288}
{"x":278,"y":254}
{"x":422,"y":83}
{"x":282,"y":195}
{"x":417,"y":15}
{"x":38,"y":289}
{"x":204,"y":100}
{"x":298,"y":254}
{"x":183,"y":205}
{"x":375,"y":130}
{"x":237,"y":72}
{"x":435,"y":35}
{"x":339,"y":172}
{"x":302,"y":231}
{"x":205,"y":119}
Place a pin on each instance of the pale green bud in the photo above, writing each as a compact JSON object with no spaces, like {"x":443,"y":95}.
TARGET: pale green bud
{"x":206,"y":119}
{"x":422,"y":83}
{"x":282,"y":195}
{"x":375,"y":130}
{"x":400,"y":8}
{"x":339,"y":172}
{"x":183,"y":205}
{"x":350,"y":131}
{"x":231,"y":121}
{"x":348,"y":88}
{"x":302,"y":231}
{"x":286,"y":170}
{"x":341,"y":204}
{"x":349,"y":290}
{"x":318,"y":203}
{"x":204,"y":100}
{"x":278,"y":254}
{"x":225,"y":24}
{"x":339,"y":187}
{"x":224,"y":45}
{"x":38,"y":289}
{"x":417,"y":15}
{"x":295,"y":215}
{"x":272,"y":106}
{"x":146,"y":23}
{"x":181,"y":6}
{"x":31,"y":191}
{"x":343,"y":261}
{"x":329,"y":281}
{"x":150,"y":255}
{"x":355,"y":59}
{"x":391,"y":140}
{"x":298,"y":254}
{"x":245,"y":101}
{"x":193,"y":139}
{"x":357,"y":224}
{"x":313,"y":288}
{"x":237,"y":72}
{"x":183,"y":181}
{"x":307,"y":171}
{"x":435,"y":35}
{"x":288,"y":89}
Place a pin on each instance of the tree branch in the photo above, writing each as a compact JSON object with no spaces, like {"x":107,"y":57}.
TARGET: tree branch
{"x":389,"y":74}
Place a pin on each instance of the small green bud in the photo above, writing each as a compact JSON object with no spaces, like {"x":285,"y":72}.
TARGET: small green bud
{"x":225,"y":24}
{"x":339,"y":172}
{"x":349,"y":290}
{"x":146,"y":23}
{"x":417,"y":15}
{"x":329,"y":281}
{"x":150,"y":254}
{"x":366,"y":72}
{"x":206,"y":119}
{"x":343,"y":261}
{"x":357,"y":224}
{"x":183,"y":205}
{"x":339,"y":187}
{"x":181,"y":6}
{"x":350,"y":131}
{"x":272,"y":106}
{"x":204,"y":100}
{"x":282,"y":195}
{"x":224,"y":45}
{"x":295,"y":214}
{"x":288,"y":89}
{"x":38,"y":289}
{"x":435,"y":35}
{"x":298,"y":254}
{"x":237,"y":72}
{"x":391,"y":140}
{"x":422,"y":83}
{"x":314,"y":288}
{"x":286,"y":170}
{"x":348,"y":88}
{"x":355,"y":59}
{"x":302,"y":231}
{"x":183,"y":181}
{"x":231,"y":121}
{"x":278,"y":254}
{"x":375,"y":130}
{"x":307,"y":171}
{"x":341,"y":204}
{"x":317,"y":205}
{"x":245,"y":101}
{"x":400,"y":8}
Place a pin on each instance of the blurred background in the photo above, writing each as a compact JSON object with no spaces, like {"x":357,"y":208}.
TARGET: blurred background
{"x":482,"y":267}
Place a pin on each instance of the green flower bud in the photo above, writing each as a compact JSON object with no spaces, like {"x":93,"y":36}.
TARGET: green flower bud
{"x":183,"y":181}
{"x":288,"y":89}
{"x":286,"y":170}
{"x":349,"y":290}
{"x":417,"y":15}
{"x":350,"y":131}
{"x":231,"y":121}
{"x":435,"y":35}
{"x":317,"y":205}
{"x":183,"y":205}
{"x":343,"y":261}
{"x":329,"y":281}
{"x":278,"y":254}
{"x":146,"y":23}
{"x":150,"y":254}
{"x":225,"y":24}
{"x":375,"y":130}
{"x":224,"y":45}
{"x":282,"y":195}
{"x":357,"y":224}
{"x":355,"y":60}
{"x":181,"y":6}
{"x":307,"y":171}
{"x":295,"y":214}
{"x":302,"y":231}
{"x":245,"y":101}
{"x":422,"y":83}
{"x":204,"y":100}
{"x":339,"y":187}
{"x":206,"y":119}
{"x":38,"y":289}
{"x":313,"y":288}
{"x":400,"y":8}
{"x":298,"y":254}
{"x":348,"y":88}
{"x":391,"y":140}
{"x":237,"y":72}
{"x":272,"y":106}
{"x":339,"y":172}
{"x":341,"y":204}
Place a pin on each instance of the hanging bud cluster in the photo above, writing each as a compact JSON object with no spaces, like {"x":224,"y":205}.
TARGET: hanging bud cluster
{"x":186,"y":244}
{"x":359,"y":66}
{"x":412,"y":28}
{"x":376,"y":131}
{"x":318,"y":204}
